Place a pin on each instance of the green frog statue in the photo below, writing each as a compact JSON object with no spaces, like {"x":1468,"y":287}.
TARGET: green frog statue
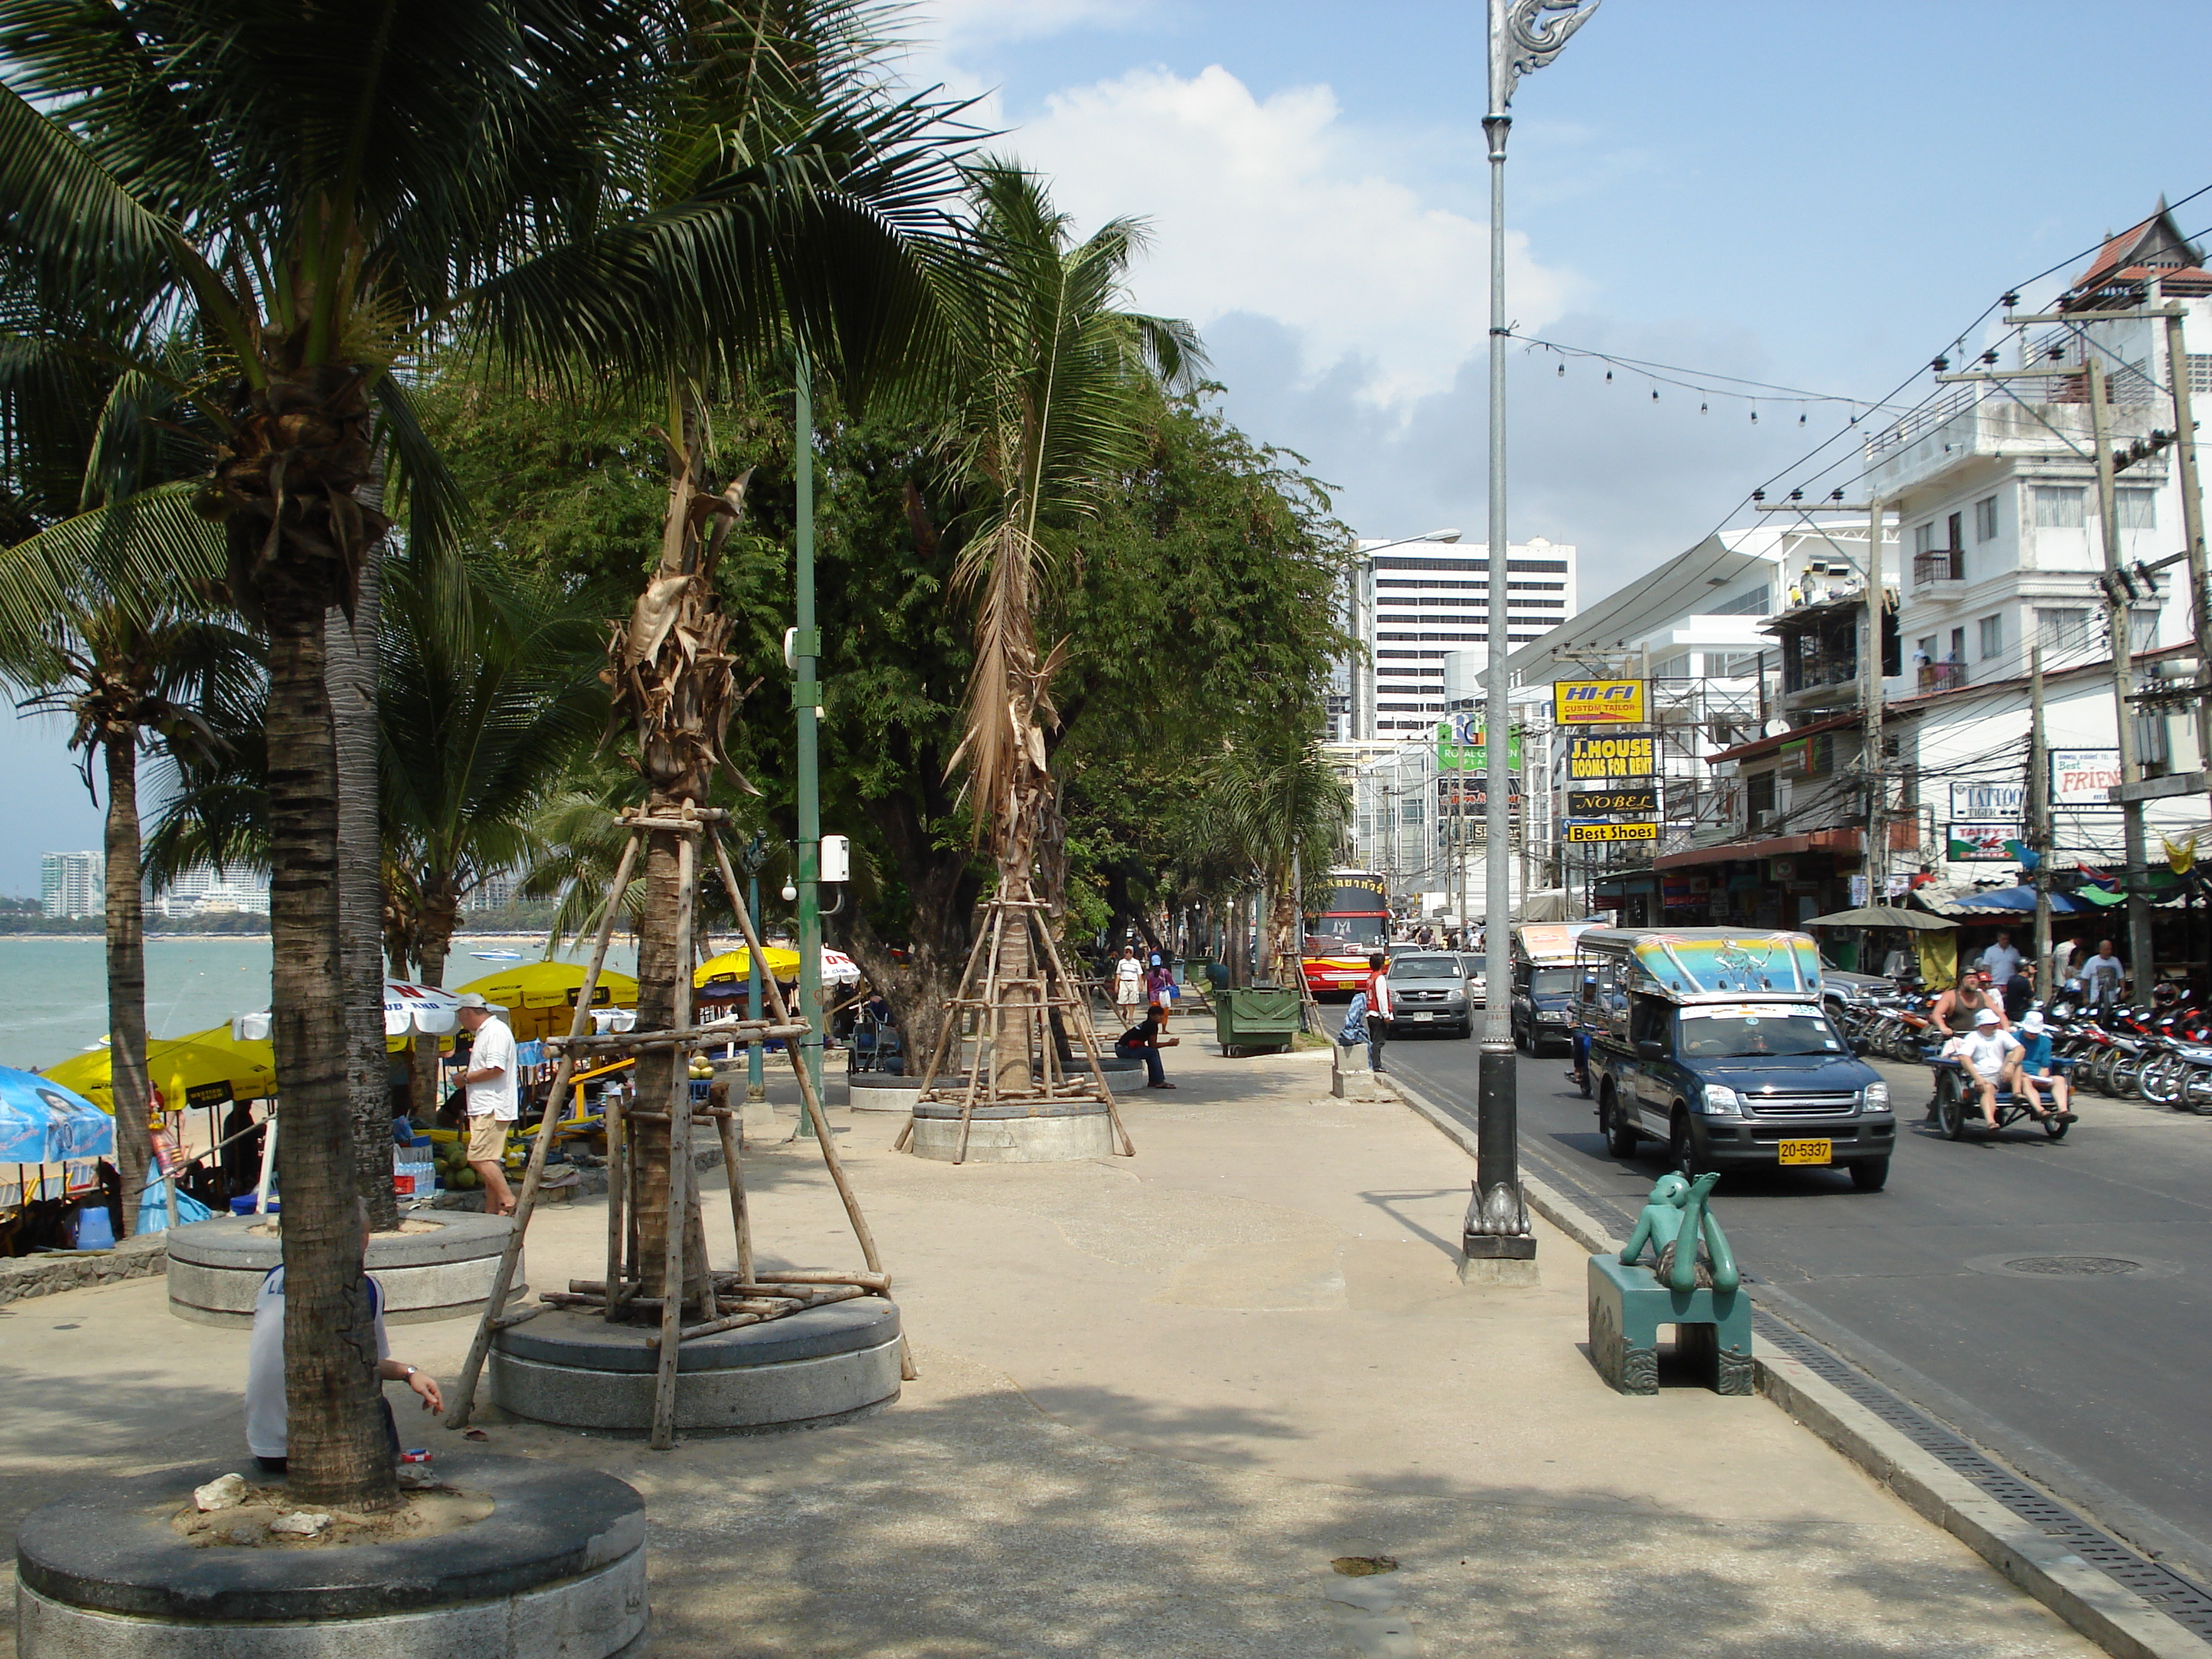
{"x":1672,"y":1222}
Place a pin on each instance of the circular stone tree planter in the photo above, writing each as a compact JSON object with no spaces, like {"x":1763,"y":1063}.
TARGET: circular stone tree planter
{"x":558,"y":1567}
{"x":442,"y":1268}
{"x":805,"y":1371}
{"x":873,"y":1092}
{"x":1014,"y":1134}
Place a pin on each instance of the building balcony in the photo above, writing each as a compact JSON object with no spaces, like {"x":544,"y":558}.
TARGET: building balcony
{"x":1941,"y":677}
{"x":1939,"y":572}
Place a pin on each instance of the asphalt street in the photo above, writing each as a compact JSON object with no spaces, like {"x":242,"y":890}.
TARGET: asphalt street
{"x":2093,"y":1383}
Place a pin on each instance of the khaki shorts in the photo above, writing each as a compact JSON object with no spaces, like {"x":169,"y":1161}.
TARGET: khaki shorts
{"x":486,"y":1138}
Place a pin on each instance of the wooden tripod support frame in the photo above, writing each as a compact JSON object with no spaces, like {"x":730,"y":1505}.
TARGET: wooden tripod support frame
{"x":769,"y":1294}
{"x":1052,"y":989}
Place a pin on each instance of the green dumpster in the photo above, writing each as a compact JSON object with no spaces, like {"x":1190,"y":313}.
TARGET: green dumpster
{"x":1260,"y":1019}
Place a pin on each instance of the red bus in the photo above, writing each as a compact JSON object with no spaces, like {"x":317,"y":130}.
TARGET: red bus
{"x":1338,"y":940}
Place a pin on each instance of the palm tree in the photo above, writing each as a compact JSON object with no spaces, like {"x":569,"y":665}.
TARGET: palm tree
{"x":1273,"y":799}
{"x":1053,"y":372}
{"x":320,"y":192}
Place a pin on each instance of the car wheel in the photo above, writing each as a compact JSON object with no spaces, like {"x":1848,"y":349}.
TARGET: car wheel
{"x":1620,"y":1137}
{"x":1682,"y":1147}
{"x":1870,"y":1175}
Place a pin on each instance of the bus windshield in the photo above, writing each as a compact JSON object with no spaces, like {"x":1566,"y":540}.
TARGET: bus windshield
{"x":1749,"y":1033}
{"x":1361,"y":931}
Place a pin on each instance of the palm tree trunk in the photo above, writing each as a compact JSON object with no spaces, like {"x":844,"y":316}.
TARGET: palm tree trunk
{"x":337,"y":1451}
{"x":126,"y":975}
{"x":350,"y":671}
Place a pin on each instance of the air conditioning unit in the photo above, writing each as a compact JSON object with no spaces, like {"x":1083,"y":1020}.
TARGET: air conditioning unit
{"x":1760,"y":818}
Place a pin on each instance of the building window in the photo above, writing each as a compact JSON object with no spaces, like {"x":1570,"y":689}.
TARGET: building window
{"x":1733,"y":665}
{"x":2058,"y":506}
{"x":1923,"y":538}
{"x":1958,"y":645}
{"x":1985,"y":518}
{"x":1992,"y":637}
{"x":2066,"y":629}
{"x":1409,"y":812}
{"x":1758,"y":797}
{"x":1952,"y":527}
{"x":2200,"y":375}
{"x":2138,"y":509}
{"x":1753,"y":604}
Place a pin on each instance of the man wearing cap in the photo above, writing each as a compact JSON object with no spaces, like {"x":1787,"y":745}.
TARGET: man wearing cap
{"x":490,"y":1083}
{"x":1990,"y":1057}
{"x":2036,"y":1072}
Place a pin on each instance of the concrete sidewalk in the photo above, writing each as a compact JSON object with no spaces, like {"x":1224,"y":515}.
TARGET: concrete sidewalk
{"x":1158,"y":1397}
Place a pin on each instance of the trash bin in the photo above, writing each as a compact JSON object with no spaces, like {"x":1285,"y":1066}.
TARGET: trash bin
{"x":1260,"y":1019}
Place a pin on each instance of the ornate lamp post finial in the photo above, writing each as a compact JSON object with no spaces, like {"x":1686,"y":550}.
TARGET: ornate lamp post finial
{"x":1525,"y":35}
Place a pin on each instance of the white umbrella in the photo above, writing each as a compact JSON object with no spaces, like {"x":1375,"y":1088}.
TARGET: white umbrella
{"x":407,"y":1007}
{"x":838,"y":969}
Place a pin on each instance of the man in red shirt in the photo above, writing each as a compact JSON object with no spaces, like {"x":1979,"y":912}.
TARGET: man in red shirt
{"x":1378,"y":1008}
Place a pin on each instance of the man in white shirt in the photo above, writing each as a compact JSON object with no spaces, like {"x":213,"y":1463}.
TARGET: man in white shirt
{"x":1991,"y":1055}
{"x":267,"y":1416}
{"x":2002,"y":960}
{"x":490,"y":1081}
{"x":1128,"y":986}
{"x":2102,"y":975}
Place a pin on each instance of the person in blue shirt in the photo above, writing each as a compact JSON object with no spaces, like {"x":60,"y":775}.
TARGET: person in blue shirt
{"x":2036,"y":1074}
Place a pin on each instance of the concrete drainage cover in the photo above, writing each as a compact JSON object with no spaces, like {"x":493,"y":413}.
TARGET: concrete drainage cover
{"x":2009,"y":1265}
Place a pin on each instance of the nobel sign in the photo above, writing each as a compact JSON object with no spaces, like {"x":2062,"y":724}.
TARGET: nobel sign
{"x":1626,"y":755}
{"x":1598,"y":702}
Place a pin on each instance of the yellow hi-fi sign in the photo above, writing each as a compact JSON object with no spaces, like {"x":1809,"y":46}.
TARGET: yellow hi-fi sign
{"x":1598,"y":702}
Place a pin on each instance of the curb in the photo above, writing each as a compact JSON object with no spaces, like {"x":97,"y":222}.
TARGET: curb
{"x":2123,"y":1624}
{"x":22,"y":1277}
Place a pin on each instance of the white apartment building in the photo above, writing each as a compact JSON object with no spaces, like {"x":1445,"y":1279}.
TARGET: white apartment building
{"x":1415,"y":604}
{"x":72,"y":883}
{"x":207,"y":890}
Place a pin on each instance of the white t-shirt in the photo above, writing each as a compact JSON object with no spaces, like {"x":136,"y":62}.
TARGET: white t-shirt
{"x":2101,"y":975}
{"x":266,"y":1421}
{"x":493,"y":1045}
{"x":1129,"y":976}
{"x":2004,"y":962}
{"x":1985,"y":1049}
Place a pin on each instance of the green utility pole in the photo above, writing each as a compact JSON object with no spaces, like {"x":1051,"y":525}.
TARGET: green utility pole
{"x":806,"y":703}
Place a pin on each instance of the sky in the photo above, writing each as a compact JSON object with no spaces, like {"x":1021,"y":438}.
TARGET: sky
{"x":1821,"y":194}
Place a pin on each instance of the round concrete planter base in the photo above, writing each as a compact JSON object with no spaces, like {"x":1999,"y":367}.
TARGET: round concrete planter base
{"x":806,"y":1370}
{"x":215,"y":1268}
{"x":1014,"y":1134}
{"x":557,"y":1567}
{"x":876,"y":1092}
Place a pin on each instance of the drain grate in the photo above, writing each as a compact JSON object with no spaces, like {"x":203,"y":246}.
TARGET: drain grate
{"x":2073,"y":1264}
{"x":2186,"y":1602}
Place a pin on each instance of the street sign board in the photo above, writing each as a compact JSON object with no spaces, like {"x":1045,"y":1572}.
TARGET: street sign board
{"x":1590,"y":832}
{"x":1616,"y":754}
{"x":1981,"y":843}
{"x":1460,"y":746}
{"x":1988,"y":803}
{"x":2081,"y":777}
{"x":1625,"y":800}
{"x":1598,"y":702}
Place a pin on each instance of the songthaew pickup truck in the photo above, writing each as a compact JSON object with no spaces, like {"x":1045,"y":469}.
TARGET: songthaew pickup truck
{"x":1716,"y":1044}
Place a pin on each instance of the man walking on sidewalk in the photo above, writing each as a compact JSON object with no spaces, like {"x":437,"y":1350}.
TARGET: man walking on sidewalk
{"x":1378,"y":1009}
{"x":490,"y":1081}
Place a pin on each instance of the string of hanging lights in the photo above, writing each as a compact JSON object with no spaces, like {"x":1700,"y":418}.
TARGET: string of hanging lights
{"x":1707,"y":385}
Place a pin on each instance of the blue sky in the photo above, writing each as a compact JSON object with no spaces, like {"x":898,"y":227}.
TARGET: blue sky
{"x":1821,"y":193}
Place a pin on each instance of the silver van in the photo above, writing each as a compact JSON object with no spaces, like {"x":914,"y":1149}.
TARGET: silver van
{"x":1429,"y":993}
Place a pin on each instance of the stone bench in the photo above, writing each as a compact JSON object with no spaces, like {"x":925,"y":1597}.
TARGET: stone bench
{"x":1627,"y":1306}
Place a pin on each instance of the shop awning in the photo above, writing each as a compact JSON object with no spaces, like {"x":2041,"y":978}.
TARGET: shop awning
{"x":1773,"y":847}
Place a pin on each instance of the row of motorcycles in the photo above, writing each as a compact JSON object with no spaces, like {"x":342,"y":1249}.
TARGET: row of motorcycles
{"x":2162,"y":1054}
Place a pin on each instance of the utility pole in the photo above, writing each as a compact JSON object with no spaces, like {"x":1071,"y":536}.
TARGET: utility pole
{"x":2123,"y":678}
{"x":1871,"y":759}
{"x":806,"y":703}
{"x":1497,"y":1243}
{"x":2192,"y":521}
{"x":2038,"y":820}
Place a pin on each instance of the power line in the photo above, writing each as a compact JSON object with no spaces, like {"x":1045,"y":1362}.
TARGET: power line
{"x":1666,"y":374}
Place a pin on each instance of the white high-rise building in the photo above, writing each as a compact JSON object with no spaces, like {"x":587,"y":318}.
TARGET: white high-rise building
{"x":1416,"y":605}
{"x":73,"y":884}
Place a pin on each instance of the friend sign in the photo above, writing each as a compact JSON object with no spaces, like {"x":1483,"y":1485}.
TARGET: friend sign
{"x":1598,"y":702}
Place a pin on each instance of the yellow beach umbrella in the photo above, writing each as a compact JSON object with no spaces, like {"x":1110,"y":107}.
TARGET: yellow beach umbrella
{"x":734,"y":965}
{"x":539,"y":996}
{"x":188,"y":1072}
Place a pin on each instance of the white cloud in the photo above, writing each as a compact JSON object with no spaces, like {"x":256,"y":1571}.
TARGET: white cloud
{"x":962,"y":24}
{"x":1280,"y":208}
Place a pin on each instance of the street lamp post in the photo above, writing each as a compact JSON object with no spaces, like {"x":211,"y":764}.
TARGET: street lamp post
{"x":1524,"y":35}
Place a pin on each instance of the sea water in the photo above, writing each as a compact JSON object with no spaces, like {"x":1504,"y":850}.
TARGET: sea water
{"x":53,"y":992}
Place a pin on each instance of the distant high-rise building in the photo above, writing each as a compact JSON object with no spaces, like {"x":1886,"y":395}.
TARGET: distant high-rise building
{"x":206,"y":889}
{"x":494,"y":892}
{"x":73,"y":884}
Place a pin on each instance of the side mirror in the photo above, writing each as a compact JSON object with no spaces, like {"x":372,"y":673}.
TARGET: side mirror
{"x":1861,"y":1046}
{"x":1650,"y":1048}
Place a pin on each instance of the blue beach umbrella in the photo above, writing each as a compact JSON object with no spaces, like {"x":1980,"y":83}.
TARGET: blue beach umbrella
{"x":42,"y":1123}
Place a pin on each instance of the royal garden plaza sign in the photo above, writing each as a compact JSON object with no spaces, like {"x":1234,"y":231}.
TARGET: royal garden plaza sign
{"x":1598,"y":702}
{"x":1460,"y":746}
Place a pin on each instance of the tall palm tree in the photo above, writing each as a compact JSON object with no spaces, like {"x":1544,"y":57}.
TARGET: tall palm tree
{"x":321,"y":191}
{"x":1053,"y":369}
{"x":1274,"y":800}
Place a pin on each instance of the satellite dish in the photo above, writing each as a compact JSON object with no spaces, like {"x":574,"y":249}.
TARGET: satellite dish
{"x":1777,"y":726}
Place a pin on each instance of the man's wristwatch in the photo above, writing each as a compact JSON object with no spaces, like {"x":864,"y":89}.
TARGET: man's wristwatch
{"x":410,"y":1377}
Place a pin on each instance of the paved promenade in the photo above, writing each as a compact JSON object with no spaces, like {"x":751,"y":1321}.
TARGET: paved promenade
{"x":1158,"y":1397}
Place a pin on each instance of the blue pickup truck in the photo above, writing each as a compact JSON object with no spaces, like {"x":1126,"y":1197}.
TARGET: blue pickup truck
{"x":1716,"y":1045}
